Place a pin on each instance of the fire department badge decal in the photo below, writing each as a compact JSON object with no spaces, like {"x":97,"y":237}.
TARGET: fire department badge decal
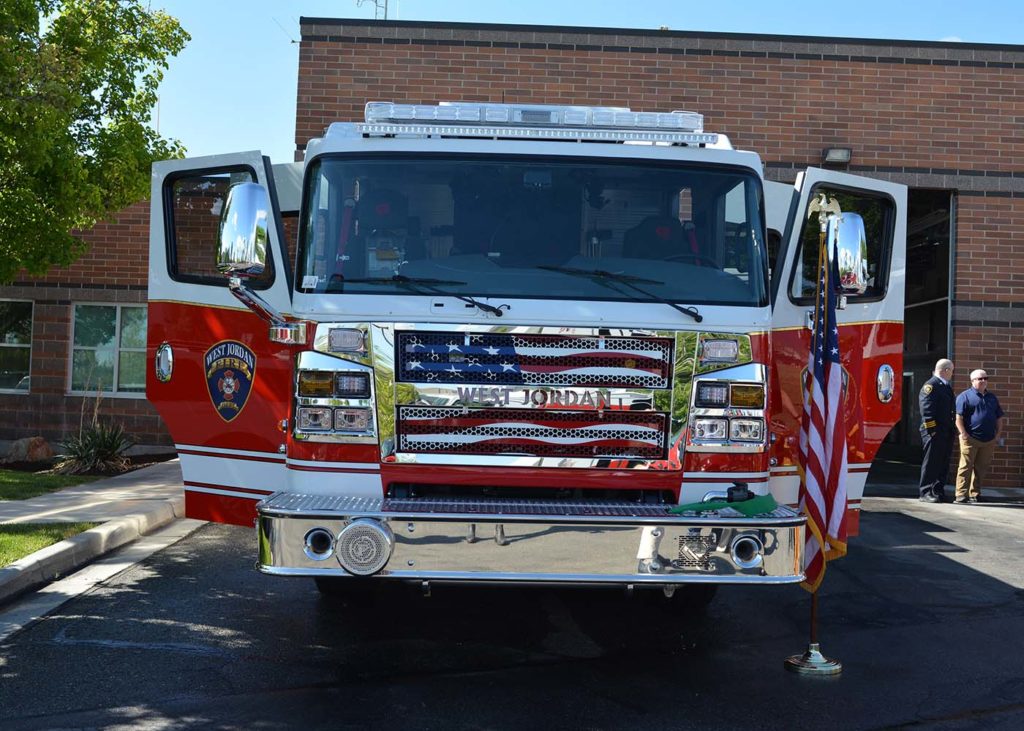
{"x":230,"y":371}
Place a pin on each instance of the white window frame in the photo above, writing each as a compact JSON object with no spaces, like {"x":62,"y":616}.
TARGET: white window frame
{"x":118,"y":306}
{"x":32,"y":323}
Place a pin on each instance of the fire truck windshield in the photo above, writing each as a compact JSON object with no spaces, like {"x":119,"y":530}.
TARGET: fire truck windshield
{"x":503,"y":228}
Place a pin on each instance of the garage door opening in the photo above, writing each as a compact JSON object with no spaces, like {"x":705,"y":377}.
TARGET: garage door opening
{"x":927,"y":334}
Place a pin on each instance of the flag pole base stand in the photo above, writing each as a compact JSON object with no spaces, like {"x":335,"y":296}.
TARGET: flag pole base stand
{"x":813,"y":663}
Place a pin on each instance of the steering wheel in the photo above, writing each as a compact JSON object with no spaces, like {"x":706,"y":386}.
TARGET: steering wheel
{"x":698,"y":259}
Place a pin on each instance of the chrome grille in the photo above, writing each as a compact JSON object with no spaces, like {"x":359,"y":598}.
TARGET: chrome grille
{"x":595,"y":508}
{"x":539,"y":432}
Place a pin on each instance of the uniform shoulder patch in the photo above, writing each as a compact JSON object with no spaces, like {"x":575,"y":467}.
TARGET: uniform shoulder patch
{"x":927,"y":388}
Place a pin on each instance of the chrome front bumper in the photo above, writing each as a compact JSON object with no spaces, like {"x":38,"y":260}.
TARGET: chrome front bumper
{"x":537,"y":541}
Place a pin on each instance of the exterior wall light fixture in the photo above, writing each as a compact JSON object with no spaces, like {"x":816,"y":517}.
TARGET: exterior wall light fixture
{"x":836,"y":156}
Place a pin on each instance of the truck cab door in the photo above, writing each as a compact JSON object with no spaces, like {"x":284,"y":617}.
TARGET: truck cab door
{"x":870,"y":326}
{"x":221,"y":386}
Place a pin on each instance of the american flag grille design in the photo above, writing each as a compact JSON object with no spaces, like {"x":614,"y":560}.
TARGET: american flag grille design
{"x":542,"y":433}
{"x":541,"y":360}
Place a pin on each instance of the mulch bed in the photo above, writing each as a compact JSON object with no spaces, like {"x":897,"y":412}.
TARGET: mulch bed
{"x":135,"y":462}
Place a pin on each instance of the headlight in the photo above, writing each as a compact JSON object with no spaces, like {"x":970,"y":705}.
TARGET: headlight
{"x":352,"y":420}
{"x":746,"y":396}
{"x":710,"y":429}
{"x":713,"y":394}
{"x":746,"y":430}
{"x":314,"y":419}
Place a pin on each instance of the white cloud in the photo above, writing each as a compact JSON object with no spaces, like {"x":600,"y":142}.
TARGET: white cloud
{"x":951,"y":39}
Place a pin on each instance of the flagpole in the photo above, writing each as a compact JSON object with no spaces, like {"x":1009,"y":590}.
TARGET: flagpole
{"x":812,"y":662}
{"x":814,"y":617}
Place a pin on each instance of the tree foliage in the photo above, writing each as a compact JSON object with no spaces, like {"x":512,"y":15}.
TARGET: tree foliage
{"x":78,"y":80}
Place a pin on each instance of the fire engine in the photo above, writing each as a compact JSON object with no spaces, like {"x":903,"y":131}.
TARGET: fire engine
{"x":473,"y":342}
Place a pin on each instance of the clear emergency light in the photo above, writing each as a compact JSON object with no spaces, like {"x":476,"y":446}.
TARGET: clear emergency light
{"x":536,"y":121}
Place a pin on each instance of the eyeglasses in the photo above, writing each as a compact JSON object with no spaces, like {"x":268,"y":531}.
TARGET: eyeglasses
{"x":980,"y":378}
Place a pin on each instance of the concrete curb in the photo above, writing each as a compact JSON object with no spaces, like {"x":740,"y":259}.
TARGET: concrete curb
{"x":62,"y":558}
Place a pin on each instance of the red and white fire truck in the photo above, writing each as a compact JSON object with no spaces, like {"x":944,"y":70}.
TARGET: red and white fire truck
{"x":505,"y":343}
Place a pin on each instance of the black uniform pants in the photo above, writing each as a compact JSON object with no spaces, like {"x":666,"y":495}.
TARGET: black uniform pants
{"x":935,"y":466}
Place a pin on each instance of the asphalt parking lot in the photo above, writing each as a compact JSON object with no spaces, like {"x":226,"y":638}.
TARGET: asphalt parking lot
{"x":925,"y":613}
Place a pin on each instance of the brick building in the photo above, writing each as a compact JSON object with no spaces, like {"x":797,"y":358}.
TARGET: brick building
{"x":78,"y":336}
{"x":946,"y":119}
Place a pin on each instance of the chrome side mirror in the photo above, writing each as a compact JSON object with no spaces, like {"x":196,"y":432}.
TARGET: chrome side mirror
{"x":848,"y":230}
{"x":243,"y":231}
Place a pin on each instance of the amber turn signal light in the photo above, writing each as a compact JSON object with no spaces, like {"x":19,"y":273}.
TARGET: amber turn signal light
{"x":316,"y":384}
{"x":746,"y":396}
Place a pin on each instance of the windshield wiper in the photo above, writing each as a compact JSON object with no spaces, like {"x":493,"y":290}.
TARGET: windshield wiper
{"x":629,"y":281}
{"x":423,"y":284}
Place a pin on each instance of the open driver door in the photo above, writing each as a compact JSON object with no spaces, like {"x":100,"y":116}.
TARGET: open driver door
{"x":220,"y":383}
{"x":872,"y":272}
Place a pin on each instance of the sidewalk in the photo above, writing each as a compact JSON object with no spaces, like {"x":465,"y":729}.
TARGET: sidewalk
{"x":127,"y":506}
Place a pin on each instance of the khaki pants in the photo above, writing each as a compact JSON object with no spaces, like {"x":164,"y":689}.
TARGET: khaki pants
{"x":975,"y":457}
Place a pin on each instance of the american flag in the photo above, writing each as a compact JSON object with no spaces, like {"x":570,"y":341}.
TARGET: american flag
{"x":823,"y":434}
{"x":492,"y":359}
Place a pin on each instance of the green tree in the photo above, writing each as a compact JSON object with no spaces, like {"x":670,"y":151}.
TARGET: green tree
{"x":78,"y":80}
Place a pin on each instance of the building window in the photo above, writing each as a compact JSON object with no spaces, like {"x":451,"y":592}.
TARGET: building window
{"x":15,"y":345}
{"x":109,"y":350}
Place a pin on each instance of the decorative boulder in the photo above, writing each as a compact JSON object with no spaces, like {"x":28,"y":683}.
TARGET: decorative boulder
{"x":29,"y":449}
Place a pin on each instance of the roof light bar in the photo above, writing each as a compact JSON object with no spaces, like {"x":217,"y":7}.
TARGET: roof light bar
{"x":535,"y":114}
{"x":536,"y":121}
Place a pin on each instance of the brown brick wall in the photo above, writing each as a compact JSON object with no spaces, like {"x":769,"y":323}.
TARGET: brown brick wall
{"x":196,"y":225}
{"x":915,"y":112}
{"x":988,"y":325}
{"x":117,"y":255}
{"x":929,"y":115}
{"x":113,"y":271}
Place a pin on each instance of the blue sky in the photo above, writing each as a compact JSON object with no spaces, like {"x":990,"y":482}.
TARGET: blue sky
{"x":233,"y":87}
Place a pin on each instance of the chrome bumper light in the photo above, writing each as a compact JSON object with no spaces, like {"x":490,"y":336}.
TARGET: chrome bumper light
{"x":364,"y":547}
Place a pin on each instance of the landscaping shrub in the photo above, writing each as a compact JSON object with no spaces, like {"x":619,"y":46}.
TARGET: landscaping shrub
{"x":98,"y":448}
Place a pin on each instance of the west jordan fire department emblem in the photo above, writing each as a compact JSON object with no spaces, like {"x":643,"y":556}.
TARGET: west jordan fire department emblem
{"x":230,"y":371}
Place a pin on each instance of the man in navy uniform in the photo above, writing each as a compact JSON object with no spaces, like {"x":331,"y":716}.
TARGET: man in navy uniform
{"x":979,"y":419}
{"x":937,"y":429}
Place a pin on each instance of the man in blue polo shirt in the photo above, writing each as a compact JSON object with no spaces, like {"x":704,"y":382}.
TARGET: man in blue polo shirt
{"x":979,"y":419}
